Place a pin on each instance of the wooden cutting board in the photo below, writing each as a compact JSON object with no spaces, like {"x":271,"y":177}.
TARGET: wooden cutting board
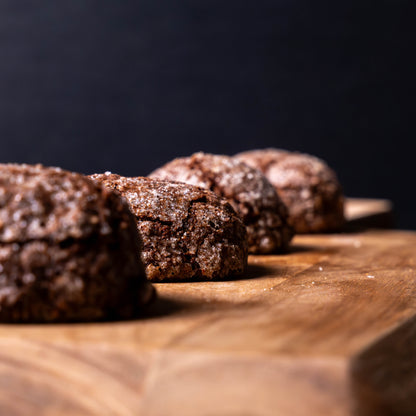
{"x":326,"y":329}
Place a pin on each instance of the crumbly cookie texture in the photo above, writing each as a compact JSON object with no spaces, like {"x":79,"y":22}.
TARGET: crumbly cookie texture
{"x":247,"y":190}
{"x":187,"y":232}
{"x":307,"y":185}
{"x":68,"y":249}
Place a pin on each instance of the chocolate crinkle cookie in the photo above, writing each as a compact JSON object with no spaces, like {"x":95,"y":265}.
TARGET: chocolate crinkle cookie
{"x":187,"y":232}
{"x":68,"y":249}
{"x":247,"y":190}
{"x":306,"y":184}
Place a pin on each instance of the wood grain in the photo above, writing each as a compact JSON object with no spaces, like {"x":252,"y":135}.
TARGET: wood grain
{"x":328,"y":328}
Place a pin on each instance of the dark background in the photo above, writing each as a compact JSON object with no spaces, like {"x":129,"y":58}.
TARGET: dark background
{"x":125,"y":86}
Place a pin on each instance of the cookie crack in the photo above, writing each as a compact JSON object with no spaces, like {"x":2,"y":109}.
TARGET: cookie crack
{"x":184,"y":225}
{"x":155,"y":220}
{"x":211,"y":183}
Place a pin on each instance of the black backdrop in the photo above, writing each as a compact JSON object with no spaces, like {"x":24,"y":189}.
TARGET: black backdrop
{"x":125,"y":86}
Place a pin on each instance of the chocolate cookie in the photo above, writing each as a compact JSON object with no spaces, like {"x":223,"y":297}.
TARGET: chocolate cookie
{"x":68,"y":249}
{"x":306,"y":184}
{"x":187,"y":232}
{"x":247,"y":190}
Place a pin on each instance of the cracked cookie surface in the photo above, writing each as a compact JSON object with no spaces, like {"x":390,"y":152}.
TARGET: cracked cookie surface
{"x":247,"y":190}
{"x":306,"y":184}
{"x":68,"y":249}
{"x":187,"y":232}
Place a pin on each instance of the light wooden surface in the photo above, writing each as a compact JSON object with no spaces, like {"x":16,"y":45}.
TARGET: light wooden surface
{"x":326,"y":329}
{"x":356,"y":208}
{"x":362,"y":212}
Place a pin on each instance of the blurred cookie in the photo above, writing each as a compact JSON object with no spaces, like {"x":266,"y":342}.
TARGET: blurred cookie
{"x":306,"y":184}
{"x":187,"y":232}
{"x":247,"y":190}
{"x":68,"y":249}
